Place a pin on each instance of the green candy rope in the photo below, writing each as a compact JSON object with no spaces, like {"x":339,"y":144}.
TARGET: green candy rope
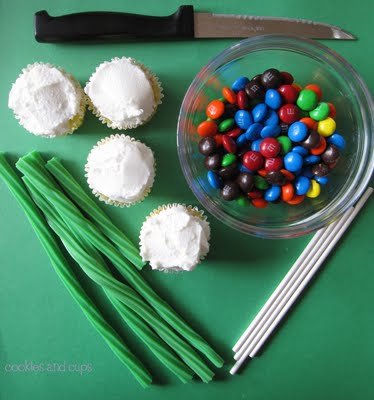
{"x":68,"y":278}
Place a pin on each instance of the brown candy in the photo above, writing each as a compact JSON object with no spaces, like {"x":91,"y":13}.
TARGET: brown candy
{"x":331,"y":154}
{"x":320,"y":169}
{"x":207,"y":146}
{"x":312,"y":140}
{"x":230,"y":191}
{"x":230,"y":172}
{"x":213,"y":161}
{"x":254,"y":90}
{"x":275,"y":178}
{"x":245,"y":181}
{"x":271,"y":78}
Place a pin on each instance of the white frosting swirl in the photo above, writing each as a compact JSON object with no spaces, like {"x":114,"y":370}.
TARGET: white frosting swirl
{"x":45,"y":99}
{"x":121,"y":169}
{"x":174,"y":238}
{"x":121,"y":92}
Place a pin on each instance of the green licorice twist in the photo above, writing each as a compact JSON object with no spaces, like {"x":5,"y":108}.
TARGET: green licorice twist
{"x":156,"y":345}
{"x":32,"y":166}
{"x":99,"y":274}
{"x":96,"y":214}
{"x":68,"y":278}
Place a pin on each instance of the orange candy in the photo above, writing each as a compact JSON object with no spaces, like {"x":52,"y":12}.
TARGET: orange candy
{"x":297,"y":199}
{"x":207,"y":128}
{"x":297,"y":87}
{"x":215,"y":109}
{"x":289,"y":175}
{"x":259,"y":203}
{"x":288,"y":192}
{"x":316,"y":89}
{"x":321,"y":147}
{"x":310,"y":123}
{"x":332,"y":113}
{"x":262,"y":172}
{"x":229,"y":95}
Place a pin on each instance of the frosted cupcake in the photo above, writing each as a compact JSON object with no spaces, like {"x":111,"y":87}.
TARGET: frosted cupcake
{"x":47,"y":101}
{"x":120,"y":170}
{"x":174,"y":238}
{"x":123,"y":93}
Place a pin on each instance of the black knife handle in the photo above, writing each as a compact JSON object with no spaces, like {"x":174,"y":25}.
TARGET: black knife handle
{"x":113,"y":26}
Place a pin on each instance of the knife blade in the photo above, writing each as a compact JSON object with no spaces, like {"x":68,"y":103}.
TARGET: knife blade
{"x":183,"y":24}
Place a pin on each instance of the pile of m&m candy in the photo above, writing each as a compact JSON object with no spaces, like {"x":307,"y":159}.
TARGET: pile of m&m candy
{"x":269,"y":140}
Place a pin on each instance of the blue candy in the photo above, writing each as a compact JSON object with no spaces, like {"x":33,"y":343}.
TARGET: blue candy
{"x":301,"y":150}
{"x":273,"y":193}
{"x":271,"y":118}
{"x":214,"y":180}
{"x":239,"y":84}
{"x":312,"y":159}
{"x":322,"y":180}
{"x":273,"y":99}
{"x":337,"y":140}
{"x":242,"y":140}
{"x":302,"y":185}
{"x":259,"y":112}
{"x":256,"y":145}
{"x":307,"y":171}
{"x":270,"y":131}
{"x":293,"y":161}
{"x":297,"y":131}
{"x":243,"y":119}
{"x":253,"y":132}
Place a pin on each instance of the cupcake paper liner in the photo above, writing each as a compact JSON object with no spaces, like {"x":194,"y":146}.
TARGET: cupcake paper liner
{"x":106,"y":199}
{"x":191,"y":210}
{"x":77,"y":120}
{"x":156,"y":88}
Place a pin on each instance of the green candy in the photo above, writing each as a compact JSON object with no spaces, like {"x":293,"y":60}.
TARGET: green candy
{"x":321,"y":112}
{"x":226,"y":125}
{"x":260,"y":182}
{"x":223,"y":100}
{"x":242,"y":201}
{"x":307,"y":100}
{"x":286,"y":144}
{"x":228,"y":159}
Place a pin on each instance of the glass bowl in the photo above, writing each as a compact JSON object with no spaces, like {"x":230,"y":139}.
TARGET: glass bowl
{"x":309,"y":62}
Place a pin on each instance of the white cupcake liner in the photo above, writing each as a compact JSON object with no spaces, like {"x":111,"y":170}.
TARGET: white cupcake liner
{"x":74,"y":122}
{"x":194,"y":211}
{"x":156,"y":88}
{"x":106,"y":199}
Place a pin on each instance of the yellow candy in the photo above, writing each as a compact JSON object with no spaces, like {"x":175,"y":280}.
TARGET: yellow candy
{"x":326,"y":127}
{"x":314,"y":190}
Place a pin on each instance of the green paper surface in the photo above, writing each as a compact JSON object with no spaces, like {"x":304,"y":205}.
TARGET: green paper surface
{"x":323,"y":350}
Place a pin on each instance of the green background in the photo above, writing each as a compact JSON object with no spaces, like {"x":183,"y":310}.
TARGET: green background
{"x":324,"y":349}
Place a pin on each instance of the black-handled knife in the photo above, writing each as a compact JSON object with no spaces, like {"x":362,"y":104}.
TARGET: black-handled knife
{"x":183,"y":24}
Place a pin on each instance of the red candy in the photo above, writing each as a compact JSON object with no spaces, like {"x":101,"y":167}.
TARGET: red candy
{"x":273,"y":164}
{"x":229,"y":144}
{"x":296,"y":199}
{"x":310,"y":123}
{"x":316,"y":151}
{"x":288,"y":93}
{"x":253,"y":160}
{"x":332,"y":113}
{"x":229,"y":95}
{"x":287,"y":78}
{"x":255,"y":194}
{"x":215,"y":109}
{"x":218,"y":139}
{"x":289,"y":113}
{"x":234,"y":133}
{"x":242,"y":99}
{"x":259,"y":203}
{"x":289,"y":175}
{"x":270,"y":147}
{"x":207,"y":128}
